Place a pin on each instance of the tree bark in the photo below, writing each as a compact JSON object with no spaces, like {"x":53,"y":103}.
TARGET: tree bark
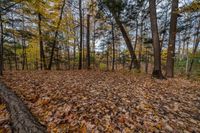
{"x":157,"y":72}
{"x":94,"y":39}
{"x":23,"y":45}
{"x":136,"y":36}
{"x":22,"y":121}
{"x":81,"y":36}
{"x":113,"y":48}
{"x":172,"y":41}
{"x":74,"y":51}
{"x":141,"y":43}
{"x":88,"y":41}
{"x":1,"y":46}
{"x":42,"y":55}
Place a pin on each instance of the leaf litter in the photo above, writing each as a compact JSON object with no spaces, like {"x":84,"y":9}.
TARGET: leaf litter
{"x":96,"y":102}
{"x":4,"y":118}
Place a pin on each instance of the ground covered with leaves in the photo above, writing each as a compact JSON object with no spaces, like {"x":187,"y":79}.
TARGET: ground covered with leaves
{"x":89,"y":101}
{"x":4,"y":118}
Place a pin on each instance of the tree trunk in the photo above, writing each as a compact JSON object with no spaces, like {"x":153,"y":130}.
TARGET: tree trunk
{"x":141,"y":43}
{"x":164,"y":32}
{"x":195,"y":49}
{"x":88,"y":41}
{"x":15,"y":47}
{"x":94,"y":39}
{"x":172,"y":41}
{"x":22,"y":121}
{"x":74,"y":51}
{"x":136,"y":36}
{"x":42,"y":55}
{"x":81,"y":36}
{"x":107,"y":59}
{"x":187,"y":57}
{"x":1,"y":46}
{"x":147,"y":61}
{"x":157,"y":72}
{"x":113,"y":48}
{"x":128,"y":43}
{"x":23,"y":45}
{"x":56,"y":35}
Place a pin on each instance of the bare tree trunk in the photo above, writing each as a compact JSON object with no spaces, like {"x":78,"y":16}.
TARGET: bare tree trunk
{"x":15,"y":47}
{"x":187,"y":55}
{"x":23,"y":45}
{"x":1,"y":46}
{"x":94,"y":39}
{"x":81,"y":36}
{"x":164,"y":32}
{"x":136,"y":37}
{"x":88,"y":41}
{"x":128,"y":43}
{"x":157,"y":72}
{"x":84,"y":62}
{"x":113,"y":48}
{"x":68,"y":57}
{"x":141,"y":43}
{"x":125,"y":35}
{"x":179,"y":46}
{"x":42,"y":55}
{"x":195,"y":49}
{"x":74,"y":51}
{"x":107,"y":58}
{"x":56,"y":35}
{"x":172,"y":41}
{"x":147,"y":61}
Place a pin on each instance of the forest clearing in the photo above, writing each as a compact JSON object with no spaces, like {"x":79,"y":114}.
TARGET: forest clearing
{"x":99,"y":66}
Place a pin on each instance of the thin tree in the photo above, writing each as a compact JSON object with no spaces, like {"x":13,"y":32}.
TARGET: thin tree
{"x":81,"y":36}
{"x":88,"y":41}
{"x":157,"y":72}
{"x":23,"y":43}
{"x":1,"y":46}
{"x":113,"y":7}
{"x":113,"y":48}
{"x":14,"y":41}
{"x":56,"y":35}
{"x":42,"y":55}
{"x":197,"y":40}
{"x":172,"y":40}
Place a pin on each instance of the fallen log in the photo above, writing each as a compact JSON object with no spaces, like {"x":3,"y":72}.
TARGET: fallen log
{"x":22,"y":121}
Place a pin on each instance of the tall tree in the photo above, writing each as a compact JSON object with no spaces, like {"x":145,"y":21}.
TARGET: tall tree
{"x":81,"y":36}
{"x":113,"y":48}
{"x":56,"y":35}
{"x":88,"y":41}
{"x":157,"y":72}
{"x":42,"y":55}
{"x":196,"y":44}
{"x":14,"y":40}
{"x":172,"y":40}
{"x":115,"y":8}
{"x":1,"y":45}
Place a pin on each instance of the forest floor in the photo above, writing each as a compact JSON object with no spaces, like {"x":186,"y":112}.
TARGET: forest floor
{"x":89,"y":101}
{"x":4,"y":118}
